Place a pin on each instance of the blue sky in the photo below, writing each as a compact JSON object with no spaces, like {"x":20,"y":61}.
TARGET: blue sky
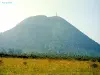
{"x":83,"y":14}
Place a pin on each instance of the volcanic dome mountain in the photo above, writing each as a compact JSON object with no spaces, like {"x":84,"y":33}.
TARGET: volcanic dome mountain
{"x":48,"y":35}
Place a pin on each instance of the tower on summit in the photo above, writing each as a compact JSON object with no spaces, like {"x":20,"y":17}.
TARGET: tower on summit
{"x":56,"y":14}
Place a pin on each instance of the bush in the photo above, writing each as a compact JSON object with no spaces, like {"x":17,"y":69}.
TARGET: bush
{"x":99,"y":60}
{"x":94,"y":65}
{"x":25,"y":63}
{"x":1,"y":62}
{"x":93,"y":60}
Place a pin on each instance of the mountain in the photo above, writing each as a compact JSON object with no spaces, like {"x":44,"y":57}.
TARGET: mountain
{"x":48,"y":35}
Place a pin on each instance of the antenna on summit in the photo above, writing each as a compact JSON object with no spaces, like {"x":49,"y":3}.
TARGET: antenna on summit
{"x":56,"y":14}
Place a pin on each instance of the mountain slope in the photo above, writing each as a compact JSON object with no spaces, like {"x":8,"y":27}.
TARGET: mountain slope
{"x":49,"y":34}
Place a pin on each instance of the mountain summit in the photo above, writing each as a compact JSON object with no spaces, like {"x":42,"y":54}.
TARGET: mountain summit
{"x":48,"y":35}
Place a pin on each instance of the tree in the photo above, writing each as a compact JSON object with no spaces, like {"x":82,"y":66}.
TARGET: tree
{"x":11,"y":51}
{"x":18,"y":51}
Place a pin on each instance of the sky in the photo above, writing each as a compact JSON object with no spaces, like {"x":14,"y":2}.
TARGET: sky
{"x":83,"y":14}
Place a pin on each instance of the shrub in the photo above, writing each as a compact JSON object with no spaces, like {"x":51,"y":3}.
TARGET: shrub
{"x":1,"y":62}
{"x":93,"y":60}
{"x":94,"y":65}
{"x":25,"y":63}
{"x":99,"y":60}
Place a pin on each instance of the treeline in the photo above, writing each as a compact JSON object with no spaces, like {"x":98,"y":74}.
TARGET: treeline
{"x":18,"y":53}
{"x":10,"y":51}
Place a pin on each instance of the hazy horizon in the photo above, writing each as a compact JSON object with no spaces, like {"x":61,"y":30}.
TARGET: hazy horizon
{"x":83,"y":14}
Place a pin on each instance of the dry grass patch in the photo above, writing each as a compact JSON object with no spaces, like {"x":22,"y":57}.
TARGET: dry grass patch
{"x":19,"y":66}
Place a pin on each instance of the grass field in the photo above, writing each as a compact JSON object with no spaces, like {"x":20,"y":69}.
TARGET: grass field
{"x":20,"y":66}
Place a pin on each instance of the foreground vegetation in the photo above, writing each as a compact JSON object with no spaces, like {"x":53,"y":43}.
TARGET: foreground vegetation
{"x":28,"y":66}
{"x":18,"y":63}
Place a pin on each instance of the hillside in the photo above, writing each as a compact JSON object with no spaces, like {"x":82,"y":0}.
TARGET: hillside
{"x":48,"y":35}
